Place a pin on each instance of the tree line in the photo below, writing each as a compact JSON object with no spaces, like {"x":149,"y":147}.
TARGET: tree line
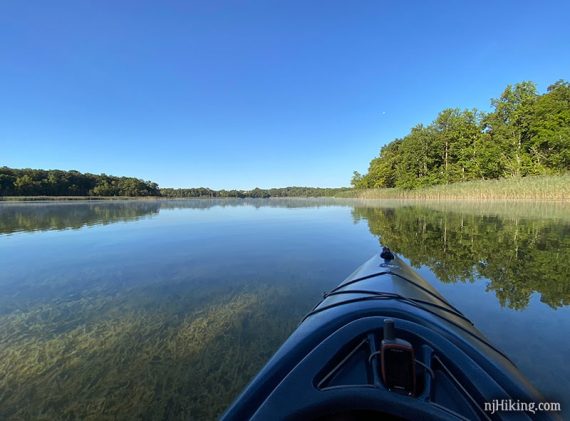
{"x":526,"y":133}
{"x":255,"y":193}
{"x":31,"y":182}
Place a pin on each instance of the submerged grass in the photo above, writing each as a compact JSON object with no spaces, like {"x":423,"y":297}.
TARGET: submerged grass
{"x":551,"y":188}
{"x":139,"y":363}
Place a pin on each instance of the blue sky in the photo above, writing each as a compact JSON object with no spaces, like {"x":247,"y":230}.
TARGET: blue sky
{"x":238,"y":94}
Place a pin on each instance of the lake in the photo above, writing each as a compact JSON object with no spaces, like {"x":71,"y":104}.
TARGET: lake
{"x":166,"y":309}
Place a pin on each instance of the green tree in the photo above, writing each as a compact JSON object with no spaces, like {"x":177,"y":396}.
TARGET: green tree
{"x":29,"y":182}
{"x":24,"y":185}
{"x":417,"y":159}
{"x":382,"y":172}
{"x":550,"y":130}
{"x":458,"y":134}
{"x":525,"y":134}
{"x":357,"y":180}
{"x":509,"y":126}
{"x":6,"y":184}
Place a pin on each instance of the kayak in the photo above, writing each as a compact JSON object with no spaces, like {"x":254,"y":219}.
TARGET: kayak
{"x":384,"y":344}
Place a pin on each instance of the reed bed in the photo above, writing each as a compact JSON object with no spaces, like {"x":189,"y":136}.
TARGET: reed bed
{"x":542,"y":188}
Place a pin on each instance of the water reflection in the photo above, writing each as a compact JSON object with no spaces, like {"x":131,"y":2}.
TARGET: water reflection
{"x":167,"y":316}
{"x":519,"y":256}
{"x":16,"y":217}
{"x":170,"y":314}
{"x":521,"y":249}
{"x":35,"y":216}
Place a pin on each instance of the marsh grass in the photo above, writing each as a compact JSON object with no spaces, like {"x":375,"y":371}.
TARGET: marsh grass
{"x":551,"y":188}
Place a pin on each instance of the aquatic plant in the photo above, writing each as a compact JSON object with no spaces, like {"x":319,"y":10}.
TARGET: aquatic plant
{"x":88,"y":359}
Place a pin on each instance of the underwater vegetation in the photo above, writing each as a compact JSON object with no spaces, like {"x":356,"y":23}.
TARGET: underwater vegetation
{"x":169,"y":320}
{"x":127,"y":358}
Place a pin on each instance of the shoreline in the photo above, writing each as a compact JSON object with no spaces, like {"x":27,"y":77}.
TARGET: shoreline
{"x":360,"y":198}
{"x":550,"y":188}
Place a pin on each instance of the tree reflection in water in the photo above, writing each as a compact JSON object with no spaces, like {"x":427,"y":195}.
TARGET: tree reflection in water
{"x":519,"y":256}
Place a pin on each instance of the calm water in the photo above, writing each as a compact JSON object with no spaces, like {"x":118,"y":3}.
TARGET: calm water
{"x":167,"y":309}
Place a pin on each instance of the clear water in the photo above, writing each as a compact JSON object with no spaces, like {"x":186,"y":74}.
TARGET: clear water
{"x":166,"y":309}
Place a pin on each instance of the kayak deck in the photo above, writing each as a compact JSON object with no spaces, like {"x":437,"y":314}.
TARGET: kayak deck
{"x":329,"y":367}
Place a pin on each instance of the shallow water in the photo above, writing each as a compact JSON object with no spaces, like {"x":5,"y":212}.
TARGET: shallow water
{"x":166,"y":309}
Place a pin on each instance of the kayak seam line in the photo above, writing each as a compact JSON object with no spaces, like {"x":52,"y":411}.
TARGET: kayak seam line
{"x":389,"y":272}
{"x":443,"y":300}
{"x":401,"y":297}
{"x":362,"y":278}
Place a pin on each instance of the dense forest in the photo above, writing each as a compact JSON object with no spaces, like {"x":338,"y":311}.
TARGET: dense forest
{"x":524,"y":134}
{"x":30,"y":182}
